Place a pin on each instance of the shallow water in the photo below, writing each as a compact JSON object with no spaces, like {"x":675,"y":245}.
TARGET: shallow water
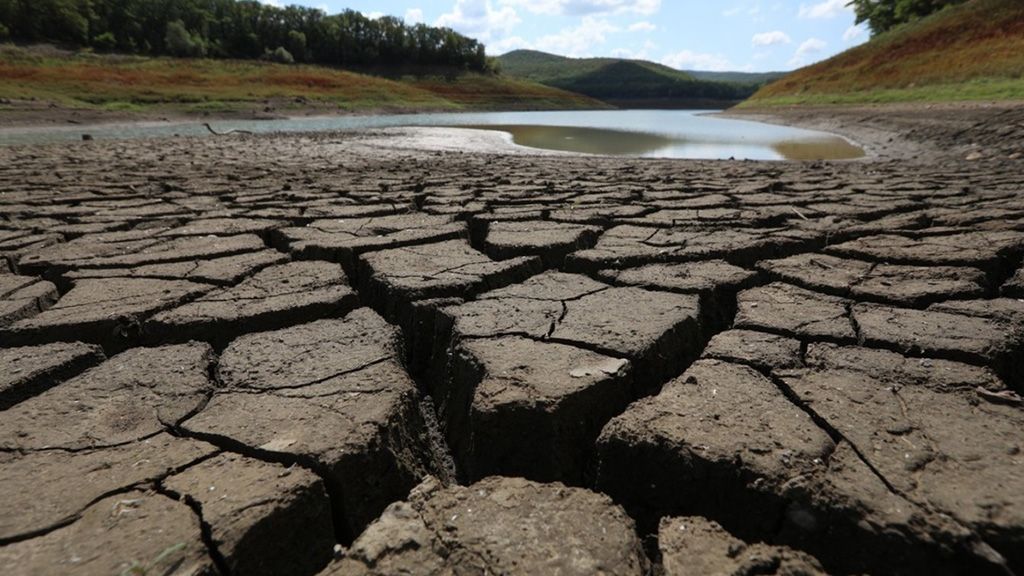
{"x":646,"y":133}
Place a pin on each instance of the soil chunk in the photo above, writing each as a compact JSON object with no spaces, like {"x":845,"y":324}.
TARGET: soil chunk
{"x":31,"y":370}
{"x":696,"y":546}
{"x":762,"y":351}
{"x":941,"y":446}
{"x":225,"y":271}
{"x":331,"y":395}
{"x":107,"y":311}
{"x":498,"y":526}
{"x":985,"y":341}
{"x":132,"y":532}
{"x":133,"y":396}
{"x":552,"y":241}
{"x":536,"y":418}
{"x":74,"y":480}
{"x":343,"y":239}
{"x":988,"y":251}
{"x":626,"y":246}
{"x":89,"y":252}
{"x":275,"y":297}
{"x":23,"y":297}
{"x":264,"y":519}
{"x":909,"y":286}
{"x":795,"y":312}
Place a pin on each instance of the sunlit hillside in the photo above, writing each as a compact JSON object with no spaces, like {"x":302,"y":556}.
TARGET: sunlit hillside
{"x":974,"y":51}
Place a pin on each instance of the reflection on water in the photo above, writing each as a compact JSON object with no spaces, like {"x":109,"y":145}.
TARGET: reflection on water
{"x":627,"y":143}
{"x":584,"y":140}
{"x":650,"y":133}
{"x":824,"y":149}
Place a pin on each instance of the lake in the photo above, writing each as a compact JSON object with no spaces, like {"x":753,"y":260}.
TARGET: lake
{"x":641,"y":133}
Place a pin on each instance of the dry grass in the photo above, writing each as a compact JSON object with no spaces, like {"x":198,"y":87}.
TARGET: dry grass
{"x":88,"y":80}
{"x":977,"y":47}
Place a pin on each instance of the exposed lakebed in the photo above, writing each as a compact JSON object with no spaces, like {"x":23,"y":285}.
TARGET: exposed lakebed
{"x":643,"y":133}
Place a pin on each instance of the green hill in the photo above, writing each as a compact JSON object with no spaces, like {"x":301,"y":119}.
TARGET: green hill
{"x":972,"y":51}
{"x":621,"y":81}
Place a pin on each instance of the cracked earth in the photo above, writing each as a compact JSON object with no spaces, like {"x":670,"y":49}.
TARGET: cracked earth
{"x":314,"y":354}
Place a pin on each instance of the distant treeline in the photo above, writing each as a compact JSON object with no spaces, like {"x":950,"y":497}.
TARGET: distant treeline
{"x":243,"y":29}
{"x":625,"y":80}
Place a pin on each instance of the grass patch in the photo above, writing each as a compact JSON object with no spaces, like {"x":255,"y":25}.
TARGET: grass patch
{"x":981,"y":89}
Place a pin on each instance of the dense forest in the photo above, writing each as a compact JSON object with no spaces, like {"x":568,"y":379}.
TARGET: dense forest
{"x":244,"y":29}
{"x":883,"y":15}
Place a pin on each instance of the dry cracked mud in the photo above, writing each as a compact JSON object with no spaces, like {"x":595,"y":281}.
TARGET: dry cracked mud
{"x":323,"y":354}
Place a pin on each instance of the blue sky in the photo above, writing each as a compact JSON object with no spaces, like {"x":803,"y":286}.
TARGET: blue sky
{"x":747,"y":35}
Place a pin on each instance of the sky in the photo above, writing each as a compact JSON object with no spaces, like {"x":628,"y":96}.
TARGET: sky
{"x":736,"y":35}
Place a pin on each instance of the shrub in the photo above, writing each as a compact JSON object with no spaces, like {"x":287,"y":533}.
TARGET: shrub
{"x":105,"y":42}
{"x":180,"y":42}
{"x":281,"y":56}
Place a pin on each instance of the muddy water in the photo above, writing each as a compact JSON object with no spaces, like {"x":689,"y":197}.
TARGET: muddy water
{"x":646,"y":144}
{"x":646,"y":133}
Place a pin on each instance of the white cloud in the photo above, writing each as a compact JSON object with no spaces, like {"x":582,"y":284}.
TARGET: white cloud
{"x":413,"y":16}
{"x":644,"y":53}
{"x":689,"y":60}
{"x":643,"y":27}
{"x":480,"y":19}
{"x":580,"y":40}
{"x":375,"y":15}
{"x":826,"y":9}
{"x":509,"y":44}
{"x":586,"y":7}
{"x":771,"y":38}
{"x":854,"y":34}
{"x":809,"y":48}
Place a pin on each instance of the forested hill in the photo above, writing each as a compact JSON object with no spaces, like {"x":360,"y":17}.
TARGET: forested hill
{"x":620,"y":81}
{"x":240,"y":29}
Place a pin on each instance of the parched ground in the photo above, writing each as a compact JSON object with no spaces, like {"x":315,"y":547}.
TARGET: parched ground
{"x":317,"y":354}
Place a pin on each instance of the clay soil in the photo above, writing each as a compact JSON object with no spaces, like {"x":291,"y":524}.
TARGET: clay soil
{"x":361,"y":353}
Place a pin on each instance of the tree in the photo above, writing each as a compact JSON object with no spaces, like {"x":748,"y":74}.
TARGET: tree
{"x":883,"y":15}
{"x":179,"y":40}
{"x":297,"y":45}
{"x":239,"y":29}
